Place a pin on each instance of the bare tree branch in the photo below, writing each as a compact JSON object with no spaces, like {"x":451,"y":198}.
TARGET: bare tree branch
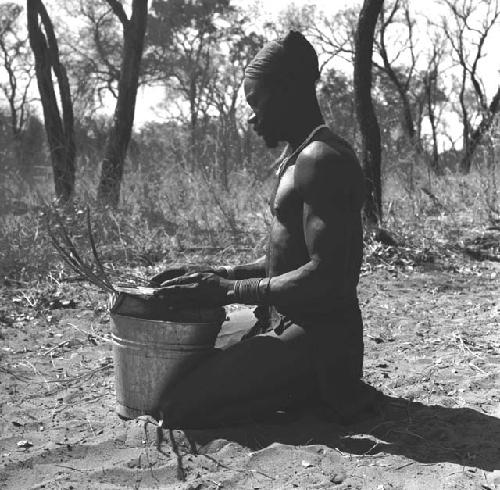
{"x":60,"y":133}
{"x":463,"y":16}
{"x":119,"y":11}
{"x":402,"y":85}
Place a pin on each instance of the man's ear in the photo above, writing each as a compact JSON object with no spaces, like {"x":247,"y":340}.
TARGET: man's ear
{"x":284,"y":85}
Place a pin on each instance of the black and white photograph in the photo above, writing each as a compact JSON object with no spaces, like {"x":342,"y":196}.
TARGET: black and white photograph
{"x":250,"y":244}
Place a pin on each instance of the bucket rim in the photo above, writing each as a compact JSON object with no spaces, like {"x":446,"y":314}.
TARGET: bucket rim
{"x":219,"y":322}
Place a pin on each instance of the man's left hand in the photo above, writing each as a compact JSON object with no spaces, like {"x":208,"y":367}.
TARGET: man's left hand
{"x":198,"y":289}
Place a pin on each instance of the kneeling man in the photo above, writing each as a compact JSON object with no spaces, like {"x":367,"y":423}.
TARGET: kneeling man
{"x":313,"y":349}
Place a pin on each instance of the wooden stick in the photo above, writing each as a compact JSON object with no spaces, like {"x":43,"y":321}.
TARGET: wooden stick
{"x":181,"y":472}
{"x":77,"y":264}
{"x":94,"y":251}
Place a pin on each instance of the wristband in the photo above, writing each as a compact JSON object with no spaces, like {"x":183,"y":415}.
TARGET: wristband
{"x":254,"y":291}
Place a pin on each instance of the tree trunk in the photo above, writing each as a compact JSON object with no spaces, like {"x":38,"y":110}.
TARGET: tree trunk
{"x":225,"y":145}
{"x":402,"y":87}
{"x":407,"y":112}
{"x":429,"y":86}
{"x":477,"y":135}
{"x":410,"y":126}
{"x":370,"y":131}
{"x":123,"y":118}
{"x":193,"y":128}
{"x":60,"y":132}
{"x":465,"y":162}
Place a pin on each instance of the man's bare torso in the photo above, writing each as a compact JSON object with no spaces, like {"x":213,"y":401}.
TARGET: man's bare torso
{"x":287,"y":246}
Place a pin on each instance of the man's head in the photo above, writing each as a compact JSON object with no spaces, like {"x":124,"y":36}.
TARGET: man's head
{"x":280,"y":78}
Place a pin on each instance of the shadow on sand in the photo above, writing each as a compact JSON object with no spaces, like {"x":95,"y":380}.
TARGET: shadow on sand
{"x":423,"y":433}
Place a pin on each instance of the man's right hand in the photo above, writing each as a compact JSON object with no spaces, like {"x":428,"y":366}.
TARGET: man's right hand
{"x":182,"y":269}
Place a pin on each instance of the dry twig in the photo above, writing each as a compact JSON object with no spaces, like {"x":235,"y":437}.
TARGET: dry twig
{"x":94,"y":272}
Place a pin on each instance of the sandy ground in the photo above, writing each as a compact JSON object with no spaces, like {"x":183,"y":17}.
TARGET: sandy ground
{"x":432,"y":347}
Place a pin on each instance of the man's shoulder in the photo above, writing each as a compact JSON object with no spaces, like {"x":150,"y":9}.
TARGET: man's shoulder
{"x":327,"y":160}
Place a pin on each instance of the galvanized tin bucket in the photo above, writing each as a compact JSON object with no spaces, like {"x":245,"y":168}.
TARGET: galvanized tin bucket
{"x":151,"y":355}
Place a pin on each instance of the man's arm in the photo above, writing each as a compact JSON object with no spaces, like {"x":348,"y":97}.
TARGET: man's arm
{"x":331,"y":187}
{"x":245,"y":271}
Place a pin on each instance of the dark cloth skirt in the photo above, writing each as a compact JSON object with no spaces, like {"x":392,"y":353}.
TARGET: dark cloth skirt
{"x":335,"y":346}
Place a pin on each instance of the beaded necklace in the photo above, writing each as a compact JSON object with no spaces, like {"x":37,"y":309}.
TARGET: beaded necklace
{"x":283,"y":165}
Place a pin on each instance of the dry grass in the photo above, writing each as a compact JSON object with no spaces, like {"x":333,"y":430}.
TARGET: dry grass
{"x":442,"y":210}
{"x":167,"y":216}
{"x":176,"y":215}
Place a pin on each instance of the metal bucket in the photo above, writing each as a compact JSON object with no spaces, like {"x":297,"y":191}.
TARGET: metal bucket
{"x":151,"y":355}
